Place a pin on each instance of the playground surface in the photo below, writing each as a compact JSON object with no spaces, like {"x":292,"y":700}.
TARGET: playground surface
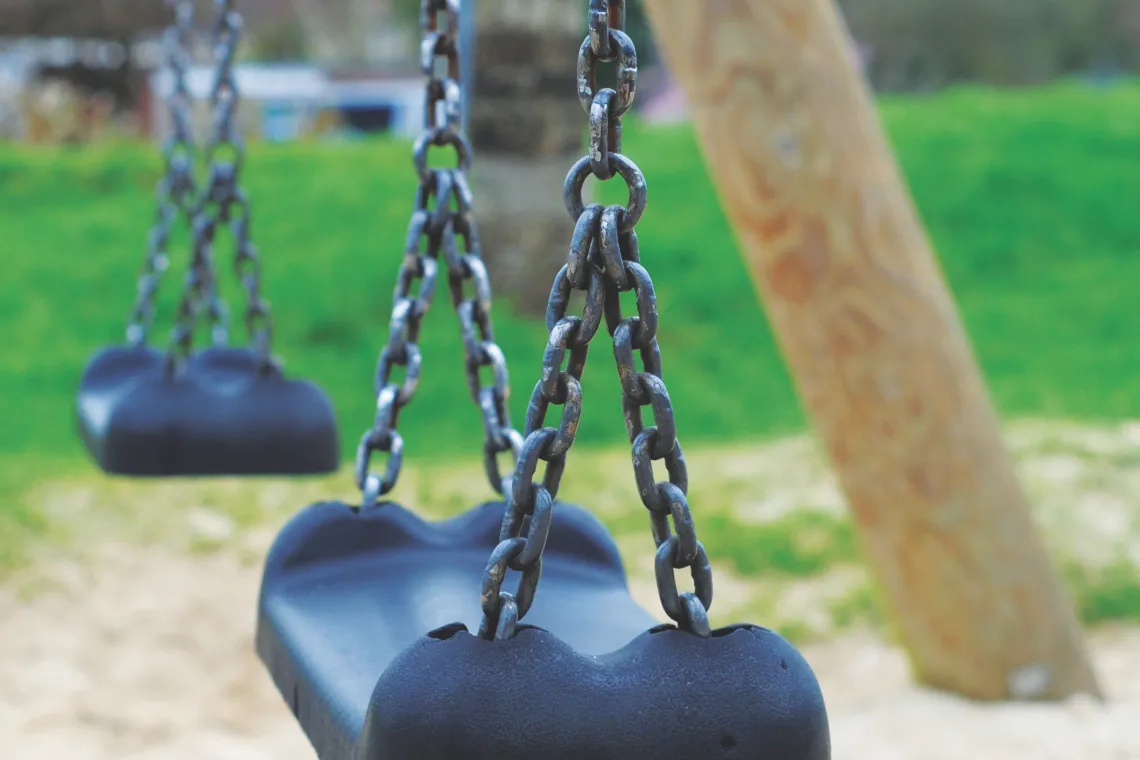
{"x":131,"y":637}
{"x":150,"y":657}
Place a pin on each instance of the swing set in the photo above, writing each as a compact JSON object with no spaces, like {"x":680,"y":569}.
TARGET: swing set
{"x":222,"y":410}
{"x":392,"y":638}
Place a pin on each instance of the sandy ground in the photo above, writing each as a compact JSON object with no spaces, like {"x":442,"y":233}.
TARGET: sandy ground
{"x":136,"y":643}
{"x":147,"y":653}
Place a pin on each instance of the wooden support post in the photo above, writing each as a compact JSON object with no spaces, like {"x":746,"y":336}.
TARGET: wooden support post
{"x":872,"y":337}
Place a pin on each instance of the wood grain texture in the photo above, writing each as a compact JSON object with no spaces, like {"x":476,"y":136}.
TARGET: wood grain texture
{"x":872,"y":337}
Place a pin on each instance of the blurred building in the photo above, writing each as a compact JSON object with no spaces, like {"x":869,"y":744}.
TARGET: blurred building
{"x":284,"y":102}
{"x":66,"y":90}
{"x":75,"y":70}
{"x":72,"y":90}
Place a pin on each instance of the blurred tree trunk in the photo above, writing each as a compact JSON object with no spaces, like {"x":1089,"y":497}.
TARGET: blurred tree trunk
{"x":871,"y":335}
{"x":527,"y":128}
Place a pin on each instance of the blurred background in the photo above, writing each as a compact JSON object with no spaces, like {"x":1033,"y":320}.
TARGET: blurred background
{"x":100,"y":60}
{"x":1015,"y":123}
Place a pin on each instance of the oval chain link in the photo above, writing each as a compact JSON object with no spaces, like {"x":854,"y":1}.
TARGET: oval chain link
{"x":442,"y":224}
{"x":603,"y":262}
{"x":223,"y":204}
{"x":177,"y":189}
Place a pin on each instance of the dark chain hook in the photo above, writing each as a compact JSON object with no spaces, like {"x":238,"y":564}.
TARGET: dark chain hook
{"x":603,"y":262}
{"x":442,"y":226}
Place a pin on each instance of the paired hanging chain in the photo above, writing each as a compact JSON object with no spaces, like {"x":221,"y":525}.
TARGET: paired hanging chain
{"x":177,"y":189}
{"x":223,"y":204}
{"x":442,"y":223}
{"x":603,"y":262}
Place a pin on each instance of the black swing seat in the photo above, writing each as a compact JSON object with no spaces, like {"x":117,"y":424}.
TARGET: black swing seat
{"x":223,"y":414}
{"x":357,"y":624}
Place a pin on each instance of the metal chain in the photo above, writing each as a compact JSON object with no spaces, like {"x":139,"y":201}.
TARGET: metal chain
{"x":177,"y":188}
{"x":223,"y":203}
{"x":442,"y":213}
{"x":603,"y":262}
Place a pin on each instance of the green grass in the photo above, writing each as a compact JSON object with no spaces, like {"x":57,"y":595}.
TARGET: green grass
{"x":1029,"y":196}
{"x":784,"y":550}
{"x":1032,"y":199}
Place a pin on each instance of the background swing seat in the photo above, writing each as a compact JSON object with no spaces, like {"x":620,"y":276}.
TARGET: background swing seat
{"x":357,"y":624}
{"x":223,"y":415}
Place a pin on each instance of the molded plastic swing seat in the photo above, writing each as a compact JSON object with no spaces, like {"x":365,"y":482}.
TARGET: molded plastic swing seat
{"x":357,"y":624}
{"x":222,"y":415}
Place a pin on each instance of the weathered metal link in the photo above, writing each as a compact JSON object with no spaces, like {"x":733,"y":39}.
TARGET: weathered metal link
{"x":429,"y":16}
{"x":568,"y":395}
{"x":468,"y":282}
{"x":247,"y":266}
{"x":478,"y":334}
{"x":512,"y":442}
{"x":225,"y":145}
{"x":623,"y":51}
{"x":226,"y":153}
{"x":195,"y":294}
{"x":537,"y":532}
{"x":200,"y":292}
{"x":442,"y":226}
{"x":592,"y":311}
{"x":623,"y":355}
{"x":374,"y":486}
{"x":421,"y":251}
{"x":634,"y":180}
{"x":598,"y":22}
{"x":440,"y":137}
{"x":653,"y":388}
{"x":223,"y":204}
{"x":440,"y":44}
{"x":563,"y":336}
{"x":606,"y":42}
{"x":559,"y":387}
{"x":583,"y":245}
{"x":523,"y":486}
{"x":643,"y":445}
{"x":494,"y":599}
{"x":177,"y":188}
{"x":603,"y":261}
{"x":674,"y":604}
{"x":520,"y":553}
{"x":508,"y":617}
{"x":605,"y":134}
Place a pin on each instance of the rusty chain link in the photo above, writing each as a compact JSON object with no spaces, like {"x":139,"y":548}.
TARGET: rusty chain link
{"x":223,"y":204}
{"x":442,"y":214}
{"x":177,"y":189}
{"x":603,"y":262}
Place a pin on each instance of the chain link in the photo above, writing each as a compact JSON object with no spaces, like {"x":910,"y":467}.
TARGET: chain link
{"x":223,"y":204}
{"x":177,"y":188}
{"x":603,"y":262}
{"x":442,"y":224}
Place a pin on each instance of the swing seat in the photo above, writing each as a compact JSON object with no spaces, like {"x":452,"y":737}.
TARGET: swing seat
{"x":364,"y":619}
{"x":222,"y":415}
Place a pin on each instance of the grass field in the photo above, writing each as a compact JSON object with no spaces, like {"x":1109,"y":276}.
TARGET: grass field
{"x":1031,"y":198}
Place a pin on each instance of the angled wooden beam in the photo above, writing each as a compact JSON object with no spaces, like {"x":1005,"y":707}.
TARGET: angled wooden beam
{"x":872,"y":337}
